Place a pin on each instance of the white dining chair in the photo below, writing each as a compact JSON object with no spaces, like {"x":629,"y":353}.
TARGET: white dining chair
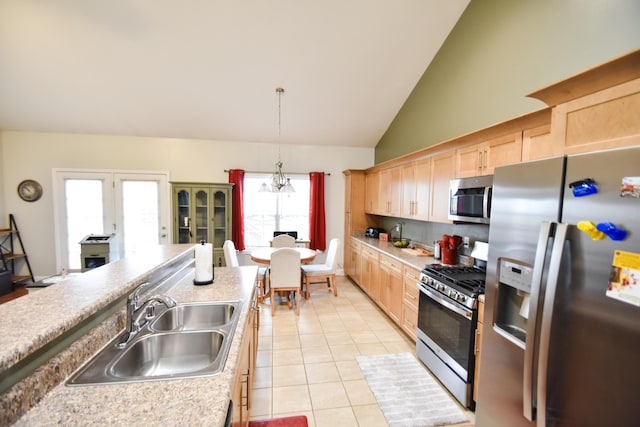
{"x":283,"y":241}
{"x":285,"y":276}
{"x":230,"y":255}
{"x":323,"y":274}
{"x":231,"y":260}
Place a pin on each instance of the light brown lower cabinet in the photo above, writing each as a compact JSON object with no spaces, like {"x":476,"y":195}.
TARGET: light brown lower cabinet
{"x":477,"y":348}
{"x":243,"y":383}
{"x":391,"y":287}
{"x":410,"y":298}
{"x":389,"y":283}
{"x":369,"y":269}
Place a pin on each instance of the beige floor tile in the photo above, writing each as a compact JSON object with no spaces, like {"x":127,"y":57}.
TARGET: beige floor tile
{"x":328,"y":395}
{"x":369,"y":349}
{"x":261,"y":399}
{"x":291,"y":356}
{"x":344,"y":352}
{"x":317,"y":354}
{"x":359,"y":393}
{"x":281,"y":342}
{"x":322,"y":372}
{"x":333,"y":326}
{"x":400,"y":347}
{"x":335,"y":417}
{"x":389,"y":335}
{"x":364,"y":336}
{"x":356,"y":325}
{"x":312,"y":340}
{"x":291,"y":399}
{"x":370,"y":416}
{"x":264,"y":358}
{"x":289,"y":375}
{"x":349,"y":370}
{"x":263,"y":377}
{"x":310,"y":327}
{"x":265,"y":342}
{"x":339,"y":338}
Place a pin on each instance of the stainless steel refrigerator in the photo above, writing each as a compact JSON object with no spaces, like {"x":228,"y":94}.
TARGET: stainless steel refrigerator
{"x":561,"y":337}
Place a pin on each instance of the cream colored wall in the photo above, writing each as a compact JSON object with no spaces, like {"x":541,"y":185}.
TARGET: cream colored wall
{"x":34,"y":155}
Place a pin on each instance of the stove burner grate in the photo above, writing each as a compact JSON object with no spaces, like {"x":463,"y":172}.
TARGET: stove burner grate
{"x":469,"y":278}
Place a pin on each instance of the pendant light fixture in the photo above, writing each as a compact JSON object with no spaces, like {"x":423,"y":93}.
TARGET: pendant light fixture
{"x":279,"y":182}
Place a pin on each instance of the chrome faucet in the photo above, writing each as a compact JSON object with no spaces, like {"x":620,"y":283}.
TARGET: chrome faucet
{"x":139,"y":314}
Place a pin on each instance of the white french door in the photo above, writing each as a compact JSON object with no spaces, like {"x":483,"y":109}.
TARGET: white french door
{"x":133,"y":205}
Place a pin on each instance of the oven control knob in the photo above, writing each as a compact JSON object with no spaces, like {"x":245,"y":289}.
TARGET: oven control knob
{"x":461,"y":298}
{"x":440,"y":287}
{"x":453,"y":295}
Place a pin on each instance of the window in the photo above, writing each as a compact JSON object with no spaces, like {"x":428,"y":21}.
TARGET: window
{"x":267,"y":212}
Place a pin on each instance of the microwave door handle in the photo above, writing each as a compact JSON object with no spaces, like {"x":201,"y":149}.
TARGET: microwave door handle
{"x":485,"y":202}
{"x":546,"y":231}
{"x":547,"y":319}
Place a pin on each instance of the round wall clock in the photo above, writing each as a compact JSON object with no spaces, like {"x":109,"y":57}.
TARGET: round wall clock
{"x":29,"y":190}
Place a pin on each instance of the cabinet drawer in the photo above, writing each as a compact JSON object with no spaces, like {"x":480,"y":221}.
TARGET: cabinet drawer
{"x":409,"y":320}
{"x":411,"y":294}
{"x":390,"y":264}
{"x":368,"y":252}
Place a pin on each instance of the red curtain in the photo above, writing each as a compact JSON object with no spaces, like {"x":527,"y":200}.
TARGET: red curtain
{"x":236,"y":177}
{"x":317,"y":227}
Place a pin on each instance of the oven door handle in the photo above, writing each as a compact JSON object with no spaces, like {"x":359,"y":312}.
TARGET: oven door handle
{"x":444,"y":301}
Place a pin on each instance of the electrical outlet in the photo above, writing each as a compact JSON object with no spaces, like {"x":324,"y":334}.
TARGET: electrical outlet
{"x":465,"y":241}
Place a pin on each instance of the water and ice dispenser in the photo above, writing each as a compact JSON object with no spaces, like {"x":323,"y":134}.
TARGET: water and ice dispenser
{"x":514,"y":287}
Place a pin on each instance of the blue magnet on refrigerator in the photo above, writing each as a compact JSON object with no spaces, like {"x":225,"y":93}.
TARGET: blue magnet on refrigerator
{"x":584,"y":187}
{"x":614,"y":233}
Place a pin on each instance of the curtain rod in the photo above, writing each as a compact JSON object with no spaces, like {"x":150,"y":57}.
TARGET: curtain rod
{"x":271,"y":172}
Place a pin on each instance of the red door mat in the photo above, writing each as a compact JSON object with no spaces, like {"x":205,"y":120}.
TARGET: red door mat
{"x":297,"y":421}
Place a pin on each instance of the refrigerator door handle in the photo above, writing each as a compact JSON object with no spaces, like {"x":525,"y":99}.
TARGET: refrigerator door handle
{"x":546,"y":231}
{"x":546,"y":322}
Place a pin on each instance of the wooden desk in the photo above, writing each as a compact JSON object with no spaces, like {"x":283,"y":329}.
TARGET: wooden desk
{"x":263,"y":255}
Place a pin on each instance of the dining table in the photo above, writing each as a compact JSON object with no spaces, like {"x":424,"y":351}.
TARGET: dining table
{"x":263,"y":255}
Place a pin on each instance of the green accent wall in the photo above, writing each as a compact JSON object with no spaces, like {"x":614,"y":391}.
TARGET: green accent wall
{"x":499,"y":51}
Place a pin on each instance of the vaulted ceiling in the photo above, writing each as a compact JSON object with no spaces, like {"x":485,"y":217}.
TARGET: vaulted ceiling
{"x":209,"y":69}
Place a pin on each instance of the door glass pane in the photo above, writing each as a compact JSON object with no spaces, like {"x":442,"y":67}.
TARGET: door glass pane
{"x":84,"y":210}
{"x":140,"y":213}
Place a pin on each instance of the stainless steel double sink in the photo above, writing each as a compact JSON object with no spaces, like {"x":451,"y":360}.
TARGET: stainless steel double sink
{"x":185,"y":341}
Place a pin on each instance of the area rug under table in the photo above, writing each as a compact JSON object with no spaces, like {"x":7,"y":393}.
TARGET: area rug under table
{"x":407,"y":393}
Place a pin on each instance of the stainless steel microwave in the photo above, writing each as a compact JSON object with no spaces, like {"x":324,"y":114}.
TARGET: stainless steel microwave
{"x":470,"y":199}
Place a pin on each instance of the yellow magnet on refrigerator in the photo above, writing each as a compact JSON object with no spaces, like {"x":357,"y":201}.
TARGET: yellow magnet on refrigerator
{"x":590,"y":228}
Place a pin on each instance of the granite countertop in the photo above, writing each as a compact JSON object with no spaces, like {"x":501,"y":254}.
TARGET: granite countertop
{"x":417,"y":262}
{"x":32,"y":321}
{"x":195,"y":401}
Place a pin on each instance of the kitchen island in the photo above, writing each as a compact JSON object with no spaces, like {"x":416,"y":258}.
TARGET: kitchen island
{"x":33,"y":322}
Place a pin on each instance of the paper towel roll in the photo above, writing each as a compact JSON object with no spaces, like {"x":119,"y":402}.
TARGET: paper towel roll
{"x":204,"y":264}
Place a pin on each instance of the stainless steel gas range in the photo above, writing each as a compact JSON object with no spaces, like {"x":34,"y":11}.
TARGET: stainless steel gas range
{"x":447,"y":319}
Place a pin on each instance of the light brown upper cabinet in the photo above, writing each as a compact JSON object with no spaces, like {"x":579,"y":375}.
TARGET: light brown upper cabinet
{"x":537,"y":143}
{"x":390,"y":191}
{"x":372,"y":187}
{"x":416,"y":187}
{"x":442,"y":172}
{"x":481,"y":159}
{"x":602,"y":120}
